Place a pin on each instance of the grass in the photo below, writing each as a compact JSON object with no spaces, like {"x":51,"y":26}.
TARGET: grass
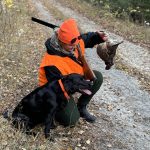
{"x":20,"y":51}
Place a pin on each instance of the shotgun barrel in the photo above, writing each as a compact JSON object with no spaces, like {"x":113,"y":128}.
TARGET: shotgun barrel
{"x":44,"y":23}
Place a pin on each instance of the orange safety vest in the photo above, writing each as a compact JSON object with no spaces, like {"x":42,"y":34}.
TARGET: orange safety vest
{"x":64,"y":64}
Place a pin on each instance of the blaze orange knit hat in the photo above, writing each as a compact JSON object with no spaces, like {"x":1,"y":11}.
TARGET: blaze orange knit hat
{"x":68,"y":31}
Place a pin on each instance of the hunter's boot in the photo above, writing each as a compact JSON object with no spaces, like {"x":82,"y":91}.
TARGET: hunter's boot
{"x":85,"y":114}
{"x":85,"y":99}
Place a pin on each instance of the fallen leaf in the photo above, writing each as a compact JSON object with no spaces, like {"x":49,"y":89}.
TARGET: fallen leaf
{"x":76,"y":148}
{"x":4,"y":143}
{"x":86,"y":127}
{"x":109,"y":145}
{"x":88,"y":142}
{"x":42,"y":147}
{"x":65,"y":139}
{"x":81,"y":132}
{"x":69,"y":133}
{"x":69,"y":148}
{"x":109,"y":107}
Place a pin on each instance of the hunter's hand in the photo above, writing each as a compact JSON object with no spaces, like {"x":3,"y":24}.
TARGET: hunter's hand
{"x":103,"y":35}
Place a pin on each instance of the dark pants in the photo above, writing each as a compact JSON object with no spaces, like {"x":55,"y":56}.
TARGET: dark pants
{"x":70,"y":114}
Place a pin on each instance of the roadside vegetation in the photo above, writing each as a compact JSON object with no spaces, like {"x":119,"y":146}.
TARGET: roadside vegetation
{"x":137,"y":11}
{"x":20,"y":52}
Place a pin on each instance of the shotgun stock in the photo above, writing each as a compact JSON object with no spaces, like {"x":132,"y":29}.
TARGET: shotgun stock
{"x":88,"y":72}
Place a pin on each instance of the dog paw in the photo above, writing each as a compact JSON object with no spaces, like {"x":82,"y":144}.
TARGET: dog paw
{"x":5,"y":114}
{"x":47,"y":135}
{"x":53,"y":126}
{"x":47,"y":132}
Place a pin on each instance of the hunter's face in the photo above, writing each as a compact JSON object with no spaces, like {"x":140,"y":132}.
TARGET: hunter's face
{"x":67,"y":47}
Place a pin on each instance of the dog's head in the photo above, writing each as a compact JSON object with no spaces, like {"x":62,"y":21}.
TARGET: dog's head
{"x":76,"y":83}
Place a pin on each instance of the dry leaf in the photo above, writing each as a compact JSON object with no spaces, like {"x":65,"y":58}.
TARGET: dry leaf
{"x":81,"y":132}
{"x":88,"y":142}
{"x":86,"y":127}
{"x":69,"y":133}
{"x":109,"y":107}
{"x":4,"y":143}
{"x":65,"y":139}
{"x":42,"y":147}
{"x":7,"y":148}
{"x":109,"y":145}
{"x":76,"y":148}
{"x":69,"y":148}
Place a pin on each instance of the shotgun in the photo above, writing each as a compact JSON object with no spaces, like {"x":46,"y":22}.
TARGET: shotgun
{"x":88,"y":73}
{"x":44,"y":23}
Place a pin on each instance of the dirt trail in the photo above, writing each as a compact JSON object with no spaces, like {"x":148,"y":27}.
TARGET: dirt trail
{"x":123,"y":109}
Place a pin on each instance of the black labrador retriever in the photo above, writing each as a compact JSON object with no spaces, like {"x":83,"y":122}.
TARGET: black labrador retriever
{"x":41,"y":104}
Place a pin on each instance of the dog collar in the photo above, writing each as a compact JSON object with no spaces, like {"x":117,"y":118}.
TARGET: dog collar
{"x":63,"y":89}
